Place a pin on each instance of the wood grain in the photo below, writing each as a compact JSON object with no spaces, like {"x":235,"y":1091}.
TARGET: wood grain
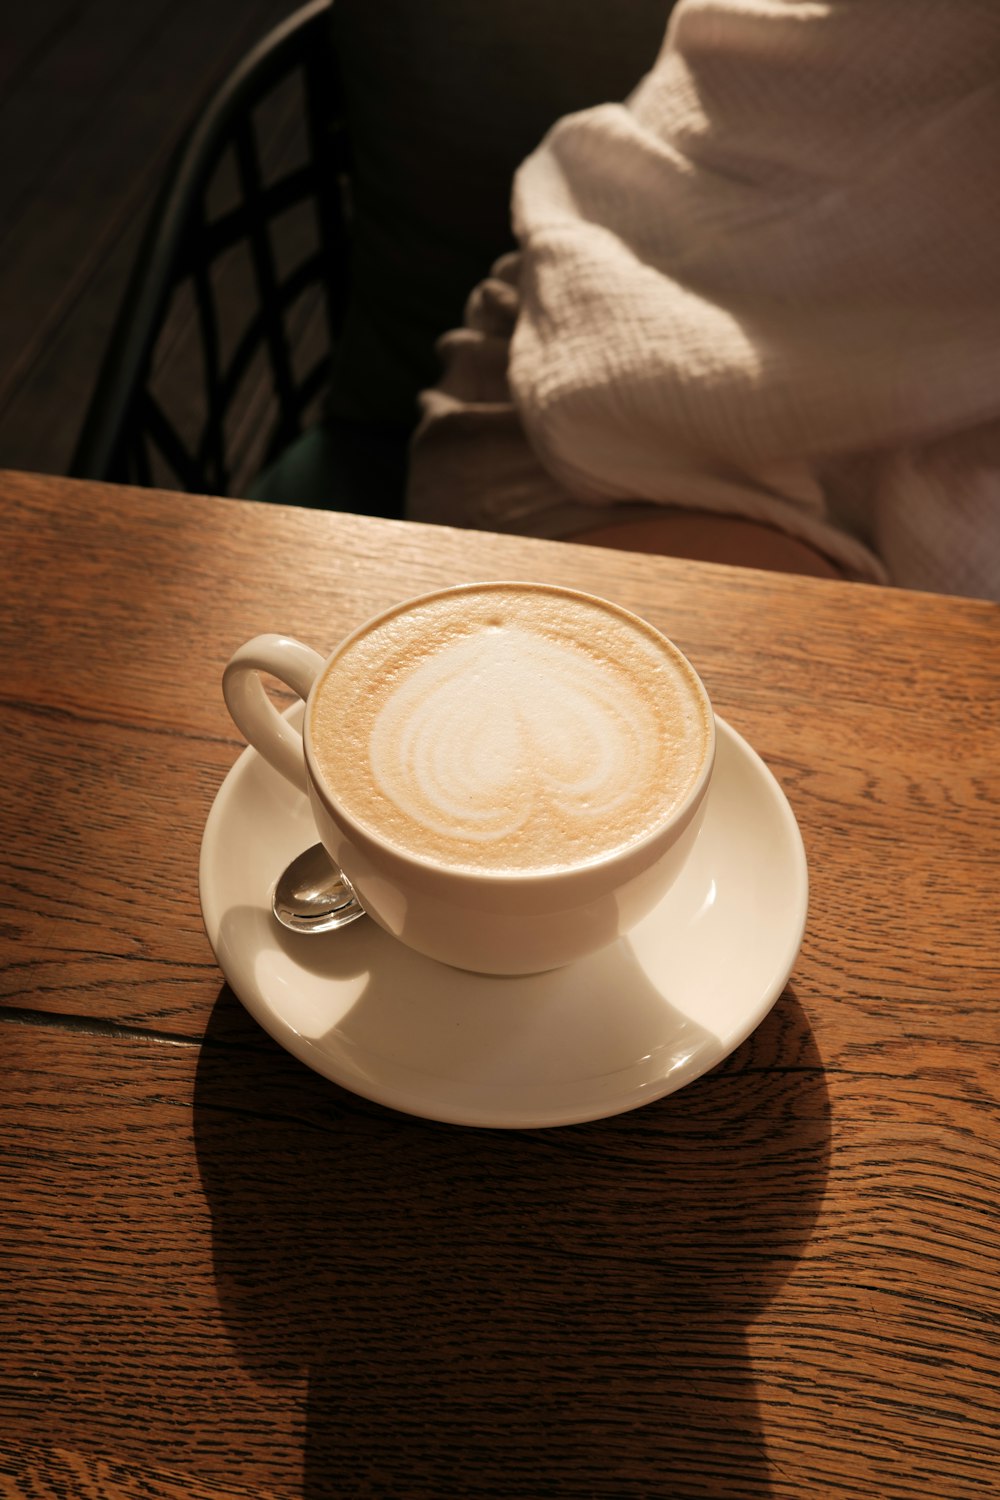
{"x":223,"y":1276}
{"x":35,"y":1472}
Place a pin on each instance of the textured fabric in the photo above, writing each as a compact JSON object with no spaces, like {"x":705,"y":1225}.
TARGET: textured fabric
{"x":766,"y":285}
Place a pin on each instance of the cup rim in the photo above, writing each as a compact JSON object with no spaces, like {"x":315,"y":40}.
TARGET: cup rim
{"x":679,"y":817}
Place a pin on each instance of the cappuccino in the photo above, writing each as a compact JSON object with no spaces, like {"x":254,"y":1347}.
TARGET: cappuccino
{"x":513,"y":728}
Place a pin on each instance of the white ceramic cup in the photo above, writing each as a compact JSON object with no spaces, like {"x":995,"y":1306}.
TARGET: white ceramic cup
{"x":498,"y":923}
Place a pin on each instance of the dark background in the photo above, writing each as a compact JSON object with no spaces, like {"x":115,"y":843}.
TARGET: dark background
{"x":93,"y":97}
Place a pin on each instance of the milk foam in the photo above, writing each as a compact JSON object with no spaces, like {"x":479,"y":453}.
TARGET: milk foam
{"x":509,"y":727}
{"x":494,"y":728}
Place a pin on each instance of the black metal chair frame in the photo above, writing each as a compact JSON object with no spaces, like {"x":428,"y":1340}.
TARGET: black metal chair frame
{"x":124,"y":421}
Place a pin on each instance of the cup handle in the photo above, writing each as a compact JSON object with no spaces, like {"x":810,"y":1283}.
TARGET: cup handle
{"x":294,"y":664}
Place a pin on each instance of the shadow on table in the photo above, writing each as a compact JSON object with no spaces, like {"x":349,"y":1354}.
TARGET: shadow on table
{"x":534,"y":1313}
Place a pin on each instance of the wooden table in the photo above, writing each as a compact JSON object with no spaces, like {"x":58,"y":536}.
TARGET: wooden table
{"x":224,"y":1276}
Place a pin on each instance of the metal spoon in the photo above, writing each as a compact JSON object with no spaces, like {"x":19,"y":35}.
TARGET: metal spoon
{"x":313,"y":895}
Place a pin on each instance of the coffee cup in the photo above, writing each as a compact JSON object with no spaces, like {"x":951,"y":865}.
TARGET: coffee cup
{"x":511,"y":775}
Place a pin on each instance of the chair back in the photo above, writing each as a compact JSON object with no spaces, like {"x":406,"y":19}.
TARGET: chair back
{"x":221,"y":352}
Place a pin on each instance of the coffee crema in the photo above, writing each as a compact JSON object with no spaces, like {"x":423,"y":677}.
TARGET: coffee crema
{"x":509,"y":728}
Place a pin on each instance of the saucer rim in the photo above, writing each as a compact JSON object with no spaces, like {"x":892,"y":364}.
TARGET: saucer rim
{"x":361,"y":1082}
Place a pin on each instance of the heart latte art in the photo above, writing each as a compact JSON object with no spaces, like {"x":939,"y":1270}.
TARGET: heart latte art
{"x":509,"y":727}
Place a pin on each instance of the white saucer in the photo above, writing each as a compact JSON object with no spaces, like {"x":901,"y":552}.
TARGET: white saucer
{"x":632,"y":1023}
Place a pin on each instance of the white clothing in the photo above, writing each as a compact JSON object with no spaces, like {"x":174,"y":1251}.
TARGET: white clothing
{"x":767,"y":285}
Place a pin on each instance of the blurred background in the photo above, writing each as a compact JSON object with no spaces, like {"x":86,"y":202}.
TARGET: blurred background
{"x":332,"y":211}
{"x":94,"y":95}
